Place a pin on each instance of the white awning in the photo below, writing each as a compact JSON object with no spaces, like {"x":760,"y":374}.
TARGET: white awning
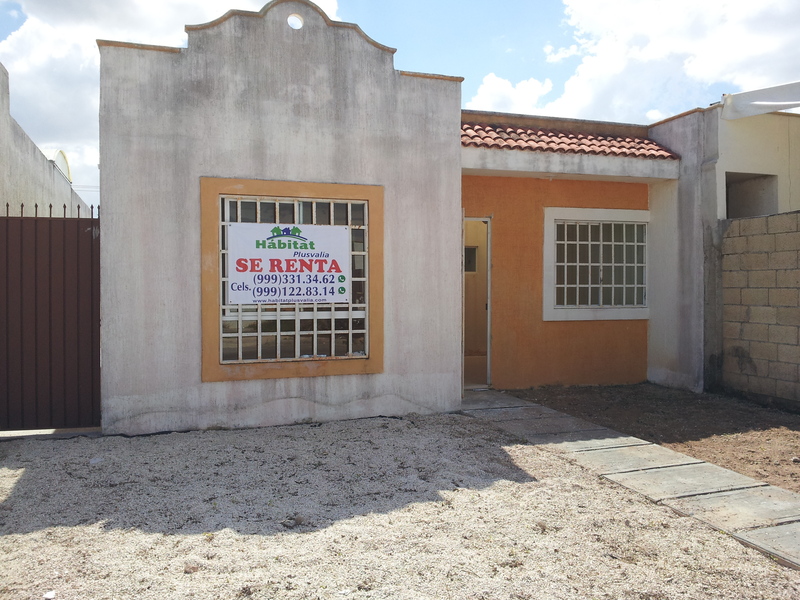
{"x":759,"y":102}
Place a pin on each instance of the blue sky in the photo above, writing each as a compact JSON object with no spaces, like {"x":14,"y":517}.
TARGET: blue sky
{"x":636,"y":61}
{"x":12,"y":19}
{"x":455,"y":38}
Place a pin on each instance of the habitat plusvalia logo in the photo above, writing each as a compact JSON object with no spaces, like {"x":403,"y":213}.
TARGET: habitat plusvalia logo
{"x":288,"y":238}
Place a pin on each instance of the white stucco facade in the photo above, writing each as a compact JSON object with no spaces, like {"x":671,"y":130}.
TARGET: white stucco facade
{"x":729,"y":168}
{"x":252,"y":98}
{"x":688,"y":349}
{"x":27,"y":177}
{"x":760,"y":145}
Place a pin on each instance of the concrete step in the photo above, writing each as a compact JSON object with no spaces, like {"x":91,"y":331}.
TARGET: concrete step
{"x":684,"y":480}
{"x":476,"y":399}
{"x":608,"y":461}
{"x":582,"y":441}
{"x":781,"y":542}
{"x":519,"y":413}
{"x":552,"y":424}
{"x":742,"y":509}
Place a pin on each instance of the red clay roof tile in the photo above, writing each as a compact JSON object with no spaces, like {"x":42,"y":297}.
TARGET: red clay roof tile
{"x":480,"y":135}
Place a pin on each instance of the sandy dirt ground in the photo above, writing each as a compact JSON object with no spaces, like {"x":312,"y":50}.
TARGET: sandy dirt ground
{"x":763,"y":443}
{"x":421,"y":507}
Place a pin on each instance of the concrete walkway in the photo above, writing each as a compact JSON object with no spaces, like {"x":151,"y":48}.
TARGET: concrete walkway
{"x":762,"y":516}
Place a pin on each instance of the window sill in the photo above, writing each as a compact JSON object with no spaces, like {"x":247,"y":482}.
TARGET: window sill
{"x":596,"y":314}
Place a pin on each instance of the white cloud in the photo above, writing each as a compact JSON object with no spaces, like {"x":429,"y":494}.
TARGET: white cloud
{"x":643,"y":58}
{"x":498,"y":94}
{"x":750,"y":44}
{"x":554,"y":56}
{"x":53,"y":63}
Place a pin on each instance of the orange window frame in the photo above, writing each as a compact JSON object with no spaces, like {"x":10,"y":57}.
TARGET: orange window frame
{"x":211,"y":188}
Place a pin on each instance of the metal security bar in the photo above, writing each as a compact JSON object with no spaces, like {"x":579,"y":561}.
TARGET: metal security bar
{"x":601,"y":264}
{"x":64,"y":211}
{"x":299,"y":331}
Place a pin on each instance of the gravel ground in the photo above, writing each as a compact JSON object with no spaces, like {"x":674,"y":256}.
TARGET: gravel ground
{"x":438,"y":507}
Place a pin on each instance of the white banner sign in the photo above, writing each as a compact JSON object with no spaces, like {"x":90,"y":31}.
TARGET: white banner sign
{"x":288,"y":263}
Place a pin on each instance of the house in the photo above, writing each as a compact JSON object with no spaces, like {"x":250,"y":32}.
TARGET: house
{"x":27,"y":178}
{"x":296,"y":231}
{"x":276,"y":117}
{"x":582,"y":218}
{"x":739,"y":165}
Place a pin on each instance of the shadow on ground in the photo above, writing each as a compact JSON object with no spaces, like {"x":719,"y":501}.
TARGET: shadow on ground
{"x":661,"y":415}
{"x":258,"y":481}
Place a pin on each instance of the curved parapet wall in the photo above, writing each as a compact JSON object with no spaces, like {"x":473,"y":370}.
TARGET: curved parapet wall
{"x":246,"y":13}
{"x":235,"y":13}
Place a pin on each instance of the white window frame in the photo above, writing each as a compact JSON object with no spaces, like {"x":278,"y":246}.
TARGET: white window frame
{"x":281,"y":315}
{"x":551,"y":312}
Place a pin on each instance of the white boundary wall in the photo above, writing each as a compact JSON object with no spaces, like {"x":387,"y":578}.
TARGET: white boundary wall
{"x":26,"y":176}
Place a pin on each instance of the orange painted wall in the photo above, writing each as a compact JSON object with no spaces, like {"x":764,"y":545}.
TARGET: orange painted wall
{"x":527,"y":351}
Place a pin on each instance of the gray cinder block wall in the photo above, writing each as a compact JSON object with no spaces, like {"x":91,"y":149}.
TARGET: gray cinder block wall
{"x":761,"y":308}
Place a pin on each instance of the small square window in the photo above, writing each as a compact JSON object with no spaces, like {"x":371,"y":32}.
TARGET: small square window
{"x":471,"y":259}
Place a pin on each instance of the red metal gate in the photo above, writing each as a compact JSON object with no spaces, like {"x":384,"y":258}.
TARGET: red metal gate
{"x":49,"y":322}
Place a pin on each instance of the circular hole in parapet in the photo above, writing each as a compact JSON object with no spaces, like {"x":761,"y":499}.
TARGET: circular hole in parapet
{"x":295,"y":21}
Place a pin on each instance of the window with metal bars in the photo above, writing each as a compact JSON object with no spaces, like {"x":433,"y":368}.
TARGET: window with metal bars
{"x":594,"y":264}
{"x":600,"y":264}
{"x":296,"y":331}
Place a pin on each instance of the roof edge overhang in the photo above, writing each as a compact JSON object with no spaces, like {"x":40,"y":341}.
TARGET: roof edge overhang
{"x":134,"y":46}
{"x":556,"y":165}
{"x":431,"y":76}
{"x":684,"y":114}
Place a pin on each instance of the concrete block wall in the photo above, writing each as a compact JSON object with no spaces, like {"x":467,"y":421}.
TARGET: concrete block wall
{"x":761,"y":308}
